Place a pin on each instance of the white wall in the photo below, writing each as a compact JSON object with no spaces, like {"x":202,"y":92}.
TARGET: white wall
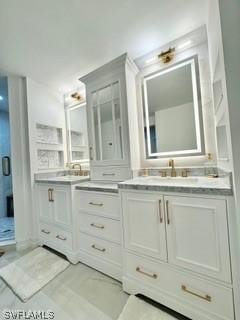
{"x":175,"y":128}
{"x":46,"y":108}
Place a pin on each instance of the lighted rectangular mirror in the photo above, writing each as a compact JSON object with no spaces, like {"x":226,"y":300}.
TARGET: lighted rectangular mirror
{"x":173,"y":111}
{"x":77,"y":134}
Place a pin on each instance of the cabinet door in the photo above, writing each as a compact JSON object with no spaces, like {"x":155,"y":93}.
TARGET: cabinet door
{"x":197,"y":235}
{"x":144,"y":224}
{"x":62,"y":205}
{"x":105,"y":114}
{"x":44,"y":203}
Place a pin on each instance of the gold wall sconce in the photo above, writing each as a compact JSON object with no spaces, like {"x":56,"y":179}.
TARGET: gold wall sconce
{"x":167,"y":56}
{"x":76,"y":96}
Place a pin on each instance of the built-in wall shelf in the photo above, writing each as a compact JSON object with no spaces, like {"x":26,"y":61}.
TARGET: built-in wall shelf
{"x":48,"y":134}
{"x":49,"y":146}
{"x":50,"y":159}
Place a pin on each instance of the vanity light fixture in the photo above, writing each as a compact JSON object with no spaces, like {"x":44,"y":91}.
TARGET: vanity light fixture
{"x":184,"y":44}
{"x":76,"y":96}
{"x":167,"y":56}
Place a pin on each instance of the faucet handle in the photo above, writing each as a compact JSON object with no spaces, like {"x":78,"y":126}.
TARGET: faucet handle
{"x":163,"y":173}
{"x":184,"y":173}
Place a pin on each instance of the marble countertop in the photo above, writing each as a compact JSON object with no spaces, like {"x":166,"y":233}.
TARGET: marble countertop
{"x":66,"y":180}
{"x":195,"y":185}
{"x":98,"y":186}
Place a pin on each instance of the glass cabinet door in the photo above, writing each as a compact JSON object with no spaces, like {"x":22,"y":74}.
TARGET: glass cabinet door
{"x":107,"y":123}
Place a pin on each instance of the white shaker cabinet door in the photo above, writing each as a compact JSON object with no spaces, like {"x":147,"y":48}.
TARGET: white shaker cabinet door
{"x":45,"y":203}
{"x":197,"y":235}
{"x":144,"y":224}
{"x":62,"y":205}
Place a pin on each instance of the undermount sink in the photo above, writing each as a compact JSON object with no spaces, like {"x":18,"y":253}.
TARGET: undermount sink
{"x":70,"y":178}
{"x":167,"y":180}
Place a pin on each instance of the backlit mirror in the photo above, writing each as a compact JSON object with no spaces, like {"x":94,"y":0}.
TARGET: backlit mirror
{"x":173,"y":111}
{"x":77,"y":133}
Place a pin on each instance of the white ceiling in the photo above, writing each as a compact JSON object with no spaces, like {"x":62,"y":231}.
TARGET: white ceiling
{"x":56,"y":41}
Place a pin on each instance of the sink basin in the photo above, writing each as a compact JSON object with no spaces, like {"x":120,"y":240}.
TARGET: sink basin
{"x":70,"y":178}
{"x":171,"y":180}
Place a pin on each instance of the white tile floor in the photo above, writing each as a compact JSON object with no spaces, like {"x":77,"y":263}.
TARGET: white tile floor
{"x":78,"y":293}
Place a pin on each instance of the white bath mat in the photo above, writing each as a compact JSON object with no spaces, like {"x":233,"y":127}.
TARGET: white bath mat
{"x":137,"y":309}
{"x":27,"y":275}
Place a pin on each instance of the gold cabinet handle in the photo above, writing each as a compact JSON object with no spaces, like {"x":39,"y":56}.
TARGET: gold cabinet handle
{"x":49,"y":195}
{"x":61,"y":238}
{"x":160,"y":211}
{"x":98,"y":226}
{"x":52,"y":198}
{"x":97,"y":248}
{"x":167,"y":210}
{"x":108,"y":174}
{"x":45,"y":231}
{"x":95,"y":204}
{"x":90,"y":153}
{"x":151,"y":275}
{"x":204,"y":297}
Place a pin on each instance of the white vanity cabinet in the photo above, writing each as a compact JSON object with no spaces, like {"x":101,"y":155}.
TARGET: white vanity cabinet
{"x":54,"y":203}
{"x":176,"y":251}
{"x":111,"y":99}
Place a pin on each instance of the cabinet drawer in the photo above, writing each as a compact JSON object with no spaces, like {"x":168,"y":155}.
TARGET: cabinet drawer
{"x":202,"y":294}
{"x":110,"y":173}
{"x":46,"y":231}
{"x":99,"y":203}
{"x":52,"y":234}
{"x":100,"y":248}
{"x":63,"y":238}
{"x":101,"y":227}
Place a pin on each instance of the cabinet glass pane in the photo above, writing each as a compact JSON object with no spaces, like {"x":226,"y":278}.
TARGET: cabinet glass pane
{"x":115,"y":88}
{"x":107,"y":131}
{"x":96,"y":130}
{"x":119,"y":149}
{"x":104,"y":95}
{"x":94,"y":99}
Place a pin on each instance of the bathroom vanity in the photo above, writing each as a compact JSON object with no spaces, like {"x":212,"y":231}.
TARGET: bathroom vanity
{"x":168,"y":234}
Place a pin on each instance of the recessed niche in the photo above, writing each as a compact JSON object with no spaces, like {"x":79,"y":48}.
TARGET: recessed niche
{"x":49,"y":135}
{"x":50,"y":159}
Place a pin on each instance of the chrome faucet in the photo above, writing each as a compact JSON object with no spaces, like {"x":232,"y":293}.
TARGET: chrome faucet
{"x":78,"y":173}
{"x":173,"y":170}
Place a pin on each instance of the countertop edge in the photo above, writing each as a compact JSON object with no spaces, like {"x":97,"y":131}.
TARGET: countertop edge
{"x":98,"y":189}
{"x":191,"y":190}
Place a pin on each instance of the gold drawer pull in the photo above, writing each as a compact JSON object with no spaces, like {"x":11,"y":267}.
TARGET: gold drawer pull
{"x":61,"y":238}
{"x":45,"y":231}
{"x":167,"y":209}
{"x":160,"y":211}
{"x":151,"y":275}
{"x":206,"y":297}
{"x":99,"y":249}
{"x":108,"y":174}
{"x":98,"y":226}
{"x":96,"y":204}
